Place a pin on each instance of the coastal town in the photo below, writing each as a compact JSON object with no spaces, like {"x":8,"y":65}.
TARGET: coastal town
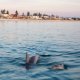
{"x":5,"y":14}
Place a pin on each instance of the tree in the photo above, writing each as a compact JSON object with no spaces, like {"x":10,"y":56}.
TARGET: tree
{"x":57,"y":16}
{"x":7,"y":12}
{"x":39,"y":14}
{"x":3,"y":11}
{"x":52,"y":15}
{"x":35,"y":14}
{"x":28,"y":13}
{"x":16,"y":13}
{"x":45,"y":15}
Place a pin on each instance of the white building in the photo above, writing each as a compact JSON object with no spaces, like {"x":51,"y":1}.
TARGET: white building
{"x":5,"y":15}
{"x":36,"y":17}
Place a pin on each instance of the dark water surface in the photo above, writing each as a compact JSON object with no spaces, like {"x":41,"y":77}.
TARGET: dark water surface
{"x":59,"y":39}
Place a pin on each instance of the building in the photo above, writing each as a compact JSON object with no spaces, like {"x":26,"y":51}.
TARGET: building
{"x":5,"y":15}
{"x":36,"y":17}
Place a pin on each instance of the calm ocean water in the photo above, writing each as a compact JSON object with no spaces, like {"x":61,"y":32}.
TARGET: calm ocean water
{"x":59,"y":39}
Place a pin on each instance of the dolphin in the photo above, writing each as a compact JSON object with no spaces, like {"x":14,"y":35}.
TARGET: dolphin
{"x":31,"y":60}
{"x":59,"y":67}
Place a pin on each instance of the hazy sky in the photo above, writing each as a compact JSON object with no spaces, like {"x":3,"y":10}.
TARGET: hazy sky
{"x":59,"y":7}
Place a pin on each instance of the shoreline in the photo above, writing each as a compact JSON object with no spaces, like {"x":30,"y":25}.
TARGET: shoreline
{"x":38,"y":20}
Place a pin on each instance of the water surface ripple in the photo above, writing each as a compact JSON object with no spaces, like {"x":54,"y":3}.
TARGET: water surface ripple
{"x":59,"y":39}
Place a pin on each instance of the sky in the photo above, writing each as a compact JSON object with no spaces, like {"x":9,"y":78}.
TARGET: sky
{"x":68,"y":8}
